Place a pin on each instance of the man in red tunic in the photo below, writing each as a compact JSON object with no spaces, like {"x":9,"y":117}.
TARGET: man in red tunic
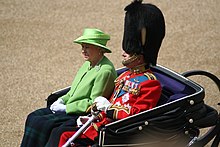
{"x":137,"y":89}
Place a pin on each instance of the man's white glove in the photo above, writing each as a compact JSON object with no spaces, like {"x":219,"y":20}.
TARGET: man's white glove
{"x":102,"y":103}
{"x":82,"y":120}
{"x":58,"y":106}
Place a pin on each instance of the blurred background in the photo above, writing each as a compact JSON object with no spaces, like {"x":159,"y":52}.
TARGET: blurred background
{"x":37,"y":54}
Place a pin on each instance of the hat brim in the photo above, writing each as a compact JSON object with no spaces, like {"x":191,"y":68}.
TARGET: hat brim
{"x":107,"y":50}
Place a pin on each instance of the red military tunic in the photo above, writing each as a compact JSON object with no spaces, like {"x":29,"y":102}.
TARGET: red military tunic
{"x":135,"y":91}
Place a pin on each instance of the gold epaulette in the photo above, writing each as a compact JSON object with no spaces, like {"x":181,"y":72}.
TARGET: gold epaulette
{"x":150,"y":76}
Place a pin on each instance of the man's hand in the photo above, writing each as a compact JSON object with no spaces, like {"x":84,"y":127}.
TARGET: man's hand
{"x":102,"y":103}
{"x":82,"y":120}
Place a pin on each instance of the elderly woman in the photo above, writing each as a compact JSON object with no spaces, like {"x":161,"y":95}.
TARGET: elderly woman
{"x":95,"y":78}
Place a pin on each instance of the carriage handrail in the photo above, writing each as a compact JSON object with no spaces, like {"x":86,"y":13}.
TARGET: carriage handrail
{"x":205,"y":73}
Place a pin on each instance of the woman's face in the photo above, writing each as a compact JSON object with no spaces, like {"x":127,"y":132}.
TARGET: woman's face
{"x":90,"y":52}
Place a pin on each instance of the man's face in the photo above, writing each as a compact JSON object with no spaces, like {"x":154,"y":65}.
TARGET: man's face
{"x":125,"y":55}
{"x":90,"y":52}
{"x":126,"y":60}
{"x":132,"y":60}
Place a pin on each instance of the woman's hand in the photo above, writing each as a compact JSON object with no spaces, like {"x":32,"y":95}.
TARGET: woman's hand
{"x":58,"y":106}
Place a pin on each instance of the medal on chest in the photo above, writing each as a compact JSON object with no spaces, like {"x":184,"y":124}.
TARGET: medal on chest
{"x":132,"y":87}
{"x":126,"y":85}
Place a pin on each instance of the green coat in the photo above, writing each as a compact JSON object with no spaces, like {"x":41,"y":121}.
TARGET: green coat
{"x":88,"y":84}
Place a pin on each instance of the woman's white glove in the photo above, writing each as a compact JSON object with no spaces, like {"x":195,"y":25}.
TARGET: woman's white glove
{"x":58,"y":101}
{"x":102,"y":103}
{"x":82,"y":120}
{"x":58,"y":106}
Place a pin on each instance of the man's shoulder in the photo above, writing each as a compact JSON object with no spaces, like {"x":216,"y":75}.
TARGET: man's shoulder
{"x":150,"y":75}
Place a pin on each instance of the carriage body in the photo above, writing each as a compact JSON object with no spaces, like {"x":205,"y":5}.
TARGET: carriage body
{"x":177,"y":119}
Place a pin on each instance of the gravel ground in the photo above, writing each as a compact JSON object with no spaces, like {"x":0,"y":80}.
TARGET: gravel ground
{"x":37,"y":55}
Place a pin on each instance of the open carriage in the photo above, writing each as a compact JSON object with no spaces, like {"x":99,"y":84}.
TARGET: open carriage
{"x":177,"y":120}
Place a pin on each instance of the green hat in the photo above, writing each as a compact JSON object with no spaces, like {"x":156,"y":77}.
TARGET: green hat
{"x":94,"y":37}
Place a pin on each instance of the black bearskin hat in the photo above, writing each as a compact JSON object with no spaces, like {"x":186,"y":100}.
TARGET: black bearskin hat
{"x":144,"y":30}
